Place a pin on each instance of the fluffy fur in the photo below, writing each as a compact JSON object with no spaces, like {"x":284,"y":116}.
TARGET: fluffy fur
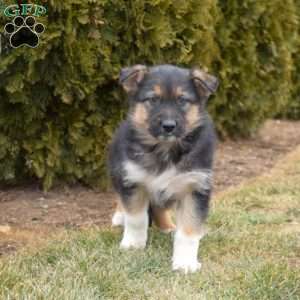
{"x":162,"y":155}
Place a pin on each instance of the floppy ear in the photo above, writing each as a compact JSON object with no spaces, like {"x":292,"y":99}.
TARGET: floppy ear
{"x":205,"y":84}
{"x":131,"y":77}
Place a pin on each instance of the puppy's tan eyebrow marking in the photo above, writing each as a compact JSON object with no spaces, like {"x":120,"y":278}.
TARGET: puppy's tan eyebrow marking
{"x":179,"y":91}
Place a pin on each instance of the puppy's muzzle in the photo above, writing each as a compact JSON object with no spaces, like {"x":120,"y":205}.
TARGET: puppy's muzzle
{"x":168,"y":126}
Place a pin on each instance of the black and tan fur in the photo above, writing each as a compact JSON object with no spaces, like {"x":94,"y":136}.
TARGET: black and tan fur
{"x":162,"y":154}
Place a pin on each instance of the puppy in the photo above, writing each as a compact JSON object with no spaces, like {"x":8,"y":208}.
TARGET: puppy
{"x":162,"y":156}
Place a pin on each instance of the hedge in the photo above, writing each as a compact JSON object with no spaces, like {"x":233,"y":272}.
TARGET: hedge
{"x":292,"y":109}
{"x":60,"y":102}
{"x":257,"y":41}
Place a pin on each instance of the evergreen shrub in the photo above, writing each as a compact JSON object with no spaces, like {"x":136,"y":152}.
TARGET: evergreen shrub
{"x":60,"y":102}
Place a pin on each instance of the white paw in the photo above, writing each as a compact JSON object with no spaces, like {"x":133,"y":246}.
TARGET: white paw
{"x":135,"y":231}
{"x":130,"y":242}
{"x":118,"y":219}
{"x":186,"y":266}
{"x":186,"y":252}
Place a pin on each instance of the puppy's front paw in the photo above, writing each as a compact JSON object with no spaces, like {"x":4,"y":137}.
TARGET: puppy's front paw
{"x":186,"y":252}
{"x":132,"y":242}
{"x":186,"y":265}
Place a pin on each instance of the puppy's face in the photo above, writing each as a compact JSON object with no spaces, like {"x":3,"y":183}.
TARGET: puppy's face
{"x":166,"y":102}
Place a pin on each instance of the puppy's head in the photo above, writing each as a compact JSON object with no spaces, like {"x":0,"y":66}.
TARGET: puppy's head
{"x":166,"y":102}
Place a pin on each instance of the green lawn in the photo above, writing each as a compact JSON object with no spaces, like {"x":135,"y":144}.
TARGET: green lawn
{"x":251,"y":251}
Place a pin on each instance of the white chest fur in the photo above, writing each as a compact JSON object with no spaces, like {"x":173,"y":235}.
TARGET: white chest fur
{"x":170,"y":183}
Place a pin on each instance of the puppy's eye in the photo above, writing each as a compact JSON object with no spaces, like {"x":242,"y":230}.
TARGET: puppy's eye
{"x":151,"y":99}
{"x":183,"y":101}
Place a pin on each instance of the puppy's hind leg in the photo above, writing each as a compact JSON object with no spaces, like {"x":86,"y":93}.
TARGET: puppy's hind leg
{"x":162,"y":219}
{"x":136,"y":220}
{"x":118,"y":216}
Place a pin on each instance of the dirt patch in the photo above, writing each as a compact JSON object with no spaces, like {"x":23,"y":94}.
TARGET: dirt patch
{"x":243,"y":159}
{"x":37,"y":214}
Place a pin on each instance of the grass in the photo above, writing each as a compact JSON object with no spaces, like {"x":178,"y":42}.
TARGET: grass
{"x":252,"y":251}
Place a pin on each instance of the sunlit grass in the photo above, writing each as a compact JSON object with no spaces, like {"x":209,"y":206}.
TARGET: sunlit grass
{"x":251,"y":251}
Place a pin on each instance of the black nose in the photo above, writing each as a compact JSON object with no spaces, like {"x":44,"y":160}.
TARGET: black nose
{"x":169,"y":125}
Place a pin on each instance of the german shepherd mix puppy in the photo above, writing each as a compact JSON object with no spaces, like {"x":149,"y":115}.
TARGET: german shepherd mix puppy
{"x":162,"y":156}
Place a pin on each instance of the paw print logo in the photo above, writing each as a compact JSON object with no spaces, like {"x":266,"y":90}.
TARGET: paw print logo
{"x":24,"y":31}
